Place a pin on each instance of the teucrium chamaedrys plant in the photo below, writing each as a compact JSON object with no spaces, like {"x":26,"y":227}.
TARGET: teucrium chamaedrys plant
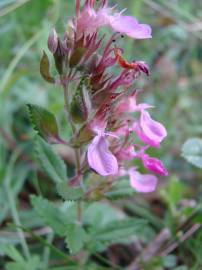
{"x":110,"y":129}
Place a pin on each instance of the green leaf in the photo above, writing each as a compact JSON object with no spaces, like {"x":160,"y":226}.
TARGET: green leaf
{"x":120,"y":231}
{"x":75,"y":237}
{"x":43,"y":122}
{"x":14,"y":254}
{"x":116,"y":230}
{"x":6,"y":241}
{"x":121,"y":189}
{"x":33,"y":263}
{"x":182,"y":267}
{"x":45,"y":68}
{"x":51,"y":163}
{"x":169,"y":261}
{"x":51,"y":214}
{"x":65,"y":268}
{"x":192,"y":151}
{"x":69,"y":193}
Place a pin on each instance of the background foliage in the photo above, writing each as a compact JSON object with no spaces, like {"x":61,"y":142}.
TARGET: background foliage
{"x":170,"y":218}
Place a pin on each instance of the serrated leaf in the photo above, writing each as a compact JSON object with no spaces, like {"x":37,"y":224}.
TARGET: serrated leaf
{"x":45,"y":68}
{"x":119,"y":231}
{"x":51,"y":163}
{"x":99,"y":214}
{"x":14,"y":254}
{"x":69,"y":193}
{"x":116,"y":230}
{"x":44,"y":122}
{"x":192,"y":151}
{"x":50,"y":214}
{"x":19,"y":263}
{"x":75,"y":237}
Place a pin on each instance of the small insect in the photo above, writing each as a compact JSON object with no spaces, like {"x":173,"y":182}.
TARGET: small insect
{"x":122,"y":62}
{"x":136,"y":65}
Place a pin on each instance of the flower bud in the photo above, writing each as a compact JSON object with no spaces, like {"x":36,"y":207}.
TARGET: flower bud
{"x":59,"y":57}
{"x":142,"y":66}
{"x":53,"y":41}
{"x":155,"y":165}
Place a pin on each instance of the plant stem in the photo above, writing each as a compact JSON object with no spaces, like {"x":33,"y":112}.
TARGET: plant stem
{"x":79,"y":211}
{"x":77,"y":150}
{"x":46,"y":254}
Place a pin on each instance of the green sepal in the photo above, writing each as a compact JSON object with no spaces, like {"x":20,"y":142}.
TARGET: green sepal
{"x":45,"y":68}
{"x":59,"y":58}
{"x":80,"y":105}
{"x":77,"y":56}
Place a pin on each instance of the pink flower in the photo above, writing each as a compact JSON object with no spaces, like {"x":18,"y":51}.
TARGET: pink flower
{"x":89,"y":20}
{"x":123,"y":130}
{"x":100,"y":158}
{"x":127,"y":104}
{"x":126,"y":78}
{"x":129,"y":26}
{"x":142,"y":182}
{"x":149,"y":131}
{"x":153,"y":164}
{"x":127,"y":153}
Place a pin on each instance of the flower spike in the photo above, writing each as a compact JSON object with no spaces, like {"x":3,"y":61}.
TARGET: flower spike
{"x":103,"y":109}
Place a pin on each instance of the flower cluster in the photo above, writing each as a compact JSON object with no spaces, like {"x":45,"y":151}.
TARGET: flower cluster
{"x":110,"y":127}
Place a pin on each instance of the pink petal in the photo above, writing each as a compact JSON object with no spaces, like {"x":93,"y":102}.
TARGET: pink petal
{"x":123,"y":130}
{"x":100,"y":158}
{"x":152,"y":129}
{"x":127,"y":153}
{"x":143,"y":106}
{"x":126,"y":78}
{"x":90,"y":20}
{"x":129,"y":25}
{"x":142,"y":182}
{"x":155,"y":165}
{"x":143,"y":137}
{"x":128,"y":104}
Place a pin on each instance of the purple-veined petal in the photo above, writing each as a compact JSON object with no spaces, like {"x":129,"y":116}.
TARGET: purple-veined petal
{"x":153,"y":164}
{"x":130,"y":26}
{"x":152,"y":129}
{"x":100,"y":158}
{"x":142,"y":182}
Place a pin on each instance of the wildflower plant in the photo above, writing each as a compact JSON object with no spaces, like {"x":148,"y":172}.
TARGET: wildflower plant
{"x":111,"y":131}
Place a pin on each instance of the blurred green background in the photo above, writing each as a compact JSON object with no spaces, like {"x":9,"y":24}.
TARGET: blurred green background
{"x":174,"y":88}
